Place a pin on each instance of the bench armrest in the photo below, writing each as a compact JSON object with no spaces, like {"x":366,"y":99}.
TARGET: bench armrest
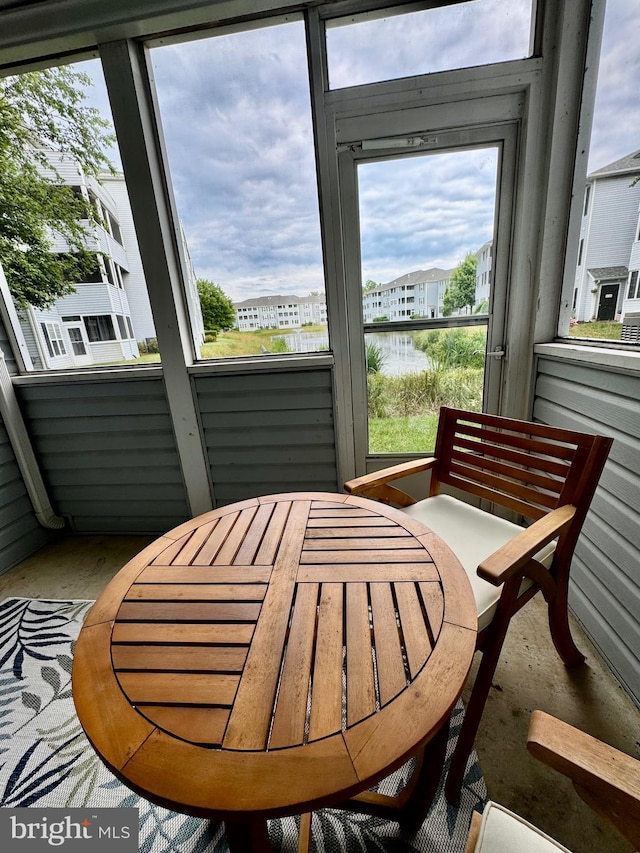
{"x":515,"y":554}
{"x":607,"y":779}
{"x":365,"y":484}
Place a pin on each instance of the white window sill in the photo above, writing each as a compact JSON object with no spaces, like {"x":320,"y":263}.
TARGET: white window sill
{"x":248,"y":364}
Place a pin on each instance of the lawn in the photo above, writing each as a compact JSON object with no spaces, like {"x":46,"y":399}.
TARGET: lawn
{"x":403,"y":434}
{"x":235,"y":344}
{"x":597,"y":329}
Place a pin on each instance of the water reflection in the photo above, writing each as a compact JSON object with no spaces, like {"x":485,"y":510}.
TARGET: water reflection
{"x":399,"y":355}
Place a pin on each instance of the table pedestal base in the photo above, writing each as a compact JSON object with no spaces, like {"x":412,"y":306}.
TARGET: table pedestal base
{"x":247,"y":835}
{"x":412,"y":804}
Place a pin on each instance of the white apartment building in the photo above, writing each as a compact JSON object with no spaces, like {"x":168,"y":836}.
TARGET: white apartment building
{"x":415,"y":294}
{"x":483,"y":272}
{"x":606,"y":282}
{"x":280,"y":312}
{"x":109,"y":313}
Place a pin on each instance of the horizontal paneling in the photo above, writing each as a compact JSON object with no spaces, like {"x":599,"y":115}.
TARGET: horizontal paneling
{"x":605,"y":585}
{"x":613,"y":201}
{"x":20,"y":532}
{"x":107,"y":453}
{"x":5,"y":348}
{"x":268,"y":433}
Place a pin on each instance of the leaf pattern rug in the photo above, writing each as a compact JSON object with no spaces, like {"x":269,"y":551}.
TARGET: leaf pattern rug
{"x":45,"y":759}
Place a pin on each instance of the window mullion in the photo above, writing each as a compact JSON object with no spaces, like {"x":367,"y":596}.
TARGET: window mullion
{"x":136,"y":123}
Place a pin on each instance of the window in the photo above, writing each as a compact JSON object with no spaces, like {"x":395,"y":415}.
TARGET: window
{"x":108,"y":268}
{"x":245,"y":184}
{"x":122,"y":328}
{"x":53,"y":339}
{"x":119,"y":279}
{"x":75,"y":336}
{"x":612,"y":191}
{"x":440,"y":39}
{"x":68,"y":272}
{"x":100,"y":328}
{"x":114,"y":228}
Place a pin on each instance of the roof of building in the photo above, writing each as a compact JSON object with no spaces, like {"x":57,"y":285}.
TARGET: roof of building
{"x":628,"y":165}
{"x":605,"y":273}
{"x":274,"y":301}
{"x":416,"y":277}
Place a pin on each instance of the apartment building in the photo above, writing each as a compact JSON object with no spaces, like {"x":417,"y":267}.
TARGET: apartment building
{"x":109,"y":314}
{"x":606,"y":281}
{"x":280,"y":312}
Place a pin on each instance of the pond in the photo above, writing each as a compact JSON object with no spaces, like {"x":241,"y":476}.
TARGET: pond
{"x":399,"y":355}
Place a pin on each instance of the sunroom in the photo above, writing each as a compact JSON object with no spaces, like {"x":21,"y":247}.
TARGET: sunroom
{"x":483,"y":108}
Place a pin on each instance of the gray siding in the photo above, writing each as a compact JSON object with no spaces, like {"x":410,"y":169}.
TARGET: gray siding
{"x":605,"y":589}
{"x":107,"y":453}
{"x":20,"y":532}
{"x":614,"y":200}
{"x":268,"y":433}
{"x":5,"y":348}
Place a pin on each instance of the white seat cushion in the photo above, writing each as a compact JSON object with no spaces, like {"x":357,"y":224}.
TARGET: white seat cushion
{"x":472,"y":535}
{"x":503,"y":831}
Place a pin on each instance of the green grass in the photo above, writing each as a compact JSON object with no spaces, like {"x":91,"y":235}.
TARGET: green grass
{"x":232,"y":344}
{"x":597,"y":329}
{"x":408,"y":434}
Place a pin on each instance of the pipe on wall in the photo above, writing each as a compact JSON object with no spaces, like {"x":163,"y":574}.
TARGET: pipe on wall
{"x":23,"y":450}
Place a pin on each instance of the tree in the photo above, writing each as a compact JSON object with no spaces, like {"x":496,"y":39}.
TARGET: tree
{"x":369,"y":285}
{"x":218,"y":312}
{"x":461,"y":289}
{"x":43,"y":112}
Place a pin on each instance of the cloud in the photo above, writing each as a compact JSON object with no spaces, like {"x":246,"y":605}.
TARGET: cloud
{"x":425,"y":211}
{"x":236,"y":116}
{"x":616,"y":119}
{"x":472,"y":33}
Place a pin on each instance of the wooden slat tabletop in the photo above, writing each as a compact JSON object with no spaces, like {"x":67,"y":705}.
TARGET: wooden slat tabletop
{"x":274,"y":656}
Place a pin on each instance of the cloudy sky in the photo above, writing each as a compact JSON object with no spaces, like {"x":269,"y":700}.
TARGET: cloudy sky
{"x":236,"y":117}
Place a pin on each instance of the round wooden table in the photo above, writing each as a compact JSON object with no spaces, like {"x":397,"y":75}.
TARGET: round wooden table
{"x":274,"y":656}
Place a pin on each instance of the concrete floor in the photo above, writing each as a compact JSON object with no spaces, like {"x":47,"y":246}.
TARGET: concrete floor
{"x":529,"y":676}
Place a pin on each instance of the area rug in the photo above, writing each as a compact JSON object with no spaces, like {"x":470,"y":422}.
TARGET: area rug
{"x":46,"y":761}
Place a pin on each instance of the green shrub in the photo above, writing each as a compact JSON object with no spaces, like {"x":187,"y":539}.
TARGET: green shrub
{"x":279,"y":345}
{"x":210,"y":336}
{"x":375,"y":358}
{"x":424,"y":393}
{"x":451,"y":348}
{"x":149,"y":345}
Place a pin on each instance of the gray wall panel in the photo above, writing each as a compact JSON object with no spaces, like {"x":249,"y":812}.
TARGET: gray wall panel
{"x":605,"y":585}
{"x":268,"y":432}
{"x":20,"y":532}
{"x":107,"y":453}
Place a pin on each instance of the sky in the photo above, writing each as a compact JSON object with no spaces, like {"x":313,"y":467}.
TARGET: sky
{"x":236,"y":118}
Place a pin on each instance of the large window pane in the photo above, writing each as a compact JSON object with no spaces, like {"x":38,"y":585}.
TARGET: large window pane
{"x":66,"y":224}
{"x":606,"y":299}
{"x":477,"y":32}
{"x":426,"y":234}
{"x":237,"y":122}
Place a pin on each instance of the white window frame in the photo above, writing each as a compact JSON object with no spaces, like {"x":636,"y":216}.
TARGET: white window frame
{"x":53,"y":338}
